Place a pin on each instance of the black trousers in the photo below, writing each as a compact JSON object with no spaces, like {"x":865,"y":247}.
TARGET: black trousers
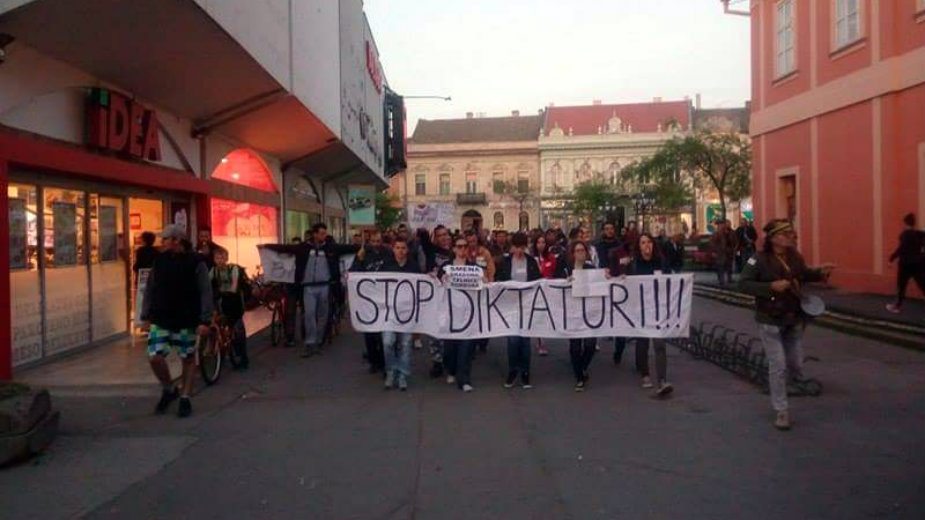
{"x":909,"y":272}
{"x":374,"y":352}
{"x":581,"y":351}
{"x":457,"y":360}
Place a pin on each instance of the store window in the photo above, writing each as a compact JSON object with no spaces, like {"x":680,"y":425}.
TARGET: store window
{"x":246,"y":168}
{"x":108,"y":266}
{"x":240,"y":227}
{"x":298,"y":222}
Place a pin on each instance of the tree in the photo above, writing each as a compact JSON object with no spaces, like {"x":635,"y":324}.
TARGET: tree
{"x":388,"y":210}
{"x":721,"y":161}
{"x":590,"y":196}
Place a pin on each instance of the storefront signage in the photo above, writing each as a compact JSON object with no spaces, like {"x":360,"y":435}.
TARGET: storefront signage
{"x":122,"y":125}
{"x":65,"y":228}
{"x":361,"y":205}
{"x":372,"y":66}
{"x":17,"y":233}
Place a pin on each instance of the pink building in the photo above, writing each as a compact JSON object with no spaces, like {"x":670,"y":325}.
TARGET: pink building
{"x":838,"y":123}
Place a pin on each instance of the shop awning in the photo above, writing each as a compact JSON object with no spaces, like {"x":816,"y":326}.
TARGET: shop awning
{"x":174,"y":55}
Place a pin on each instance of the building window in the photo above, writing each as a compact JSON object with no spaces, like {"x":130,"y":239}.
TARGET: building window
{"x":523,"y":182}
{"x":499,"y":220}
{"x":472,"y":183}
{"x":420,"y":184}
{"x":524,"y":221}
{"x":444,"y":184}
{"x":847,"y":22}
{"x":785,"y":44}
{"x":497,"y":183}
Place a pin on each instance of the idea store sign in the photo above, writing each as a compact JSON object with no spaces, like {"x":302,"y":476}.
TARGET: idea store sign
{"x":115,"y":122}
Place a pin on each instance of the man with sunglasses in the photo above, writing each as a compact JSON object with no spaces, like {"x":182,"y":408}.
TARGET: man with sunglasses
{"x":177,"y":307}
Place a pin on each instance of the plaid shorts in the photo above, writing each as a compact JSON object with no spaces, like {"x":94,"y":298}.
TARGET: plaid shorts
{"x":161,"y":340}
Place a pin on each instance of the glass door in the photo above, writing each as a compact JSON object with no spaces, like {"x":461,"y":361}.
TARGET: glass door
{"x":108,"y":266}
{"x":25,"y":283}
{"x":67,"y":285}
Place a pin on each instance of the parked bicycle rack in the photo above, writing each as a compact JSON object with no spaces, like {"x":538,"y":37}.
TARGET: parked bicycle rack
{"x":739,"y":353}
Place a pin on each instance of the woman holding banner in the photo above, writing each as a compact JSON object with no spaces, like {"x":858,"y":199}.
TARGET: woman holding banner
{"x":546,"y":259}
{"x":519,"y":267}
{"x":648,"y":261}
{"x":581,"y":350}
{"x":457,"y":354}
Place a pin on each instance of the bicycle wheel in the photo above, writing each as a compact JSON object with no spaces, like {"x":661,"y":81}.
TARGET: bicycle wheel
{"x":276,"y":326}
{"x":210,"y":358}
{"x":230,"y":335}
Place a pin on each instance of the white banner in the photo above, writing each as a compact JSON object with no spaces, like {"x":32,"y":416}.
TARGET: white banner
{"x":277,"y":267}
{"x":430,"y":215}
{"x":638,"y":306}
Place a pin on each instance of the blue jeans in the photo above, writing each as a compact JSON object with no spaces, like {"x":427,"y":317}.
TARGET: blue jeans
{"x":518,"y":355}
{"x":397,"y":349}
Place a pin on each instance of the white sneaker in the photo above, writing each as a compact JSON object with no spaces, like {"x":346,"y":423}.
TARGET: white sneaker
{"x":418,"y":344}
{"x":450,"y":380}
{"x":467,"y":388}
{"x":389,"y":380}
{"x":647,"y":382}
{"x":895,"y":309}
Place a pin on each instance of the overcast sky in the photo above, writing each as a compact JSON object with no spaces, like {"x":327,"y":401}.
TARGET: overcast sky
{"x":495,"y":56}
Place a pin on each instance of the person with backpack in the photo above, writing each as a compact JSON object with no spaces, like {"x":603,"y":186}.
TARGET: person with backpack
{"x":229,"y":285}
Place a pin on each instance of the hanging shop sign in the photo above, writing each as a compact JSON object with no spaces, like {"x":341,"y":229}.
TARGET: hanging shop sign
{"x":115,"y":122}
{"x":361,"y":205}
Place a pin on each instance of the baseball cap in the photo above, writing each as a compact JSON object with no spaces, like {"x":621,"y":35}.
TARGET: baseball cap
{"x":173,"y":231}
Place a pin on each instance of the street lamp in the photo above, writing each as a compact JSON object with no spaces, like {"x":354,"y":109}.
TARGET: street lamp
{"x":643,"y":202}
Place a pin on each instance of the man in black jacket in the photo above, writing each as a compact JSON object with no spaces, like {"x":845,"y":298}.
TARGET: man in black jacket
{"x":607,"y":242}
{"x":372,"y":258}
{"x":317,"y":264}
{"x":520,"y":267}
{"x":177,"y":307}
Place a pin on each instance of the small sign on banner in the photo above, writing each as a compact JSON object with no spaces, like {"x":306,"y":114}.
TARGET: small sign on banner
{"x":589,"y":282}
{"x":464,"y":277}
{"x":277,"y":267}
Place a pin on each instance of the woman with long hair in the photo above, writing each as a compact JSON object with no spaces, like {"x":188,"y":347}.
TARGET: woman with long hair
{"x":457,"y":354}
{"x":546,"y":259}
{"x":647,"y":260}
{"x":581,"y":350}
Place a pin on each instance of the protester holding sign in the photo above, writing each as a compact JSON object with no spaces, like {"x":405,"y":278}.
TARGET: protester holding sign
{"x":317,"y":267}
{"x":546,"y":258}
{"x":648,"y":261}
{"x":372,"y":258}
{"x":519,"y":267}
{"x":482,"y":257}
{"x":457,"y":354}
{"x":581,"y":350}
{"x":397,"y":345}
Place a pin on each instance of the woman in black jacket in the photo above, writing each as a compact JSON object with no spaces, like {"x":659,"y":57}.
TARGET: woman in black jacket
{"x":648,"y":261}
{"x":519,"y":267}
{"x":457,"y":353}
{"x":581,"y":350}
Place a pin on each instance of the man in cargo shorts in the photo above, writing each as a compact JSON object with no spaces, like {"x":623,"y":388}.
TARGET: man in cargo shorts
{"x":177,"y":308}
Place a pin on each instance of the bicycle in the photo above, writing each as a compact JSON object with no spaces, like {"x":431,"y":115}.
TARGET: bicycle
{"x":214,"y":347}
{"x":271,"y":296}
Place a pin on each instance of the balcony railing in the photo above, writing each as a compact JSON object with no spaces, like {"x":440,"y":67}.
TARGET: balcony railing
{"x":470,"y":198}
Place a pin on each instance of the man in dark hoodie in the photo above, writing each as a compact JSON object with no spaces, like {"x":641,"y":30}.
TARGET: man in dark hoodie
{"x":317,"y":267}
{"x":372,"y":258}
{"x":177,"y":307}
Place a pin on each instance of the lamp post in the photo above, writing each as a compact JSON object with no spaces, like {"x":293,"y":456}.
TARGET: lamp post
{"x":643,"y":202}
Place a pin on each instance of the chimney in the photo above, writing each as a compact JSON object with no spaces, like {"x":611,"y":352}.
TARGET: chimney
{"x":656,"y":100}
{"x":515,"y":113}
{"x":697,"y":101}
{"x":469,"y":115}
{"x":596,"y":102}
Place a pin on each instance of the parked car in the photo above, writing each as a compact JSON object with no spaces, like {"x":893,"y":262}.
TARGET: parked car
{"x":699,"y":253}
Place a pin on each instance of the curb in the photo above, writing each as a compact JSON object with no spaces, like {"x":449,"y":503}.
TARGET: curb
{"x":908,"y":336}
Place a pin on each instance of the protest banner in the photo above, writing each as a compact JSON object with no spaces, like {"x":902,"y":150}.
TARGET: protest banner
{"x":277,"y":267}
{"x":464,"y":277}
{"x":637,"y":306}
{"x":430,"y":215}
